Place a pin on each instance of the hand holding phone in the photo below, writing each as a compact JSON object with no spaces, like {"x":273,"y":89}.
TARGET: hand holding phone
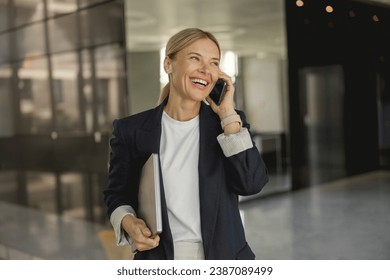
{"x":218,"y":91}
{"x":221,"y":100}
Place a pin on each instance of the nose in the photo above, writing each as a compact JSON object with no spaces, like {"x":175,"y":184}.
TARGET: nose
{"x":204,"y":68}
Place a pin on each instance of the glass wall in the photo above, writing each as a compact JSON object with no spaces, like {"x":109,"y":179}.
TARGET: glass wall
{"x":62,"y":83}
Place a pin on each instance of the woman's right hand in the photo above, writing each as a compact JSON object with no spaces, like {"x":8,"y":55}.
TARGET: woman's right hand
{"x":140,"y":233}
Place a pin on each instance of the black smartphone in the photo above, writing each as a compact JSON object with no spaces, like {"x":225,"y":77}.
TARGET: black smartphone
{"x":218,"y":91}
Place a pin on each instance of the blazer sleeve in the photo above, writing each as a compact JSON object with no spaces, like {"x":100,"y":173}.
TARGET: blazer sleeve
{"x":246,"y":170}
{"x":121,"y":188}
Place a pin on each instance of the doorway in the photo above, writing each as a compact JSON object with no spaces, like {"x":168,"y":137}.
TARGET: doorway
{"x":322,"y":98}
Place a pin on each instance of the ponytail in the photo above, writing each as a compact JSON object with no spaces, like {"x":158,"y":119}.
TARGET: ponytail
{"x":164,"y":93}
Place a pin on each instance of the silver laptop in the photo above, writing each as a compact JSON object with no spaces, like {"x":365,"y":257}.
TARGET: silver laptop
{"x":149,"y":195}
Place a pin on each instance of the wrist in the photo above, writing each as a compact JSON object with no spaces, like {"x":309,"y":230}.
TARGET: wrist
{"x":127,"y":220}
{"x":232,"y":128}
{"x":231,"y":119}
{"x":225,"y":112}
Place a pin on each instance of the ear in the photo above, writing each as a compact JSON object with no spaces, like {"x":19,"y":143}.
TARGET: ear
{"x":167,"y":65}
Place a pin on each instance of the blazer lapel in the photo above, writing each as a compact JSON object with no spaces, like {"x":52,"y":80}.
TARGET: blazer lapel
{"x":148,"y":136}
{"x":209,"y":173}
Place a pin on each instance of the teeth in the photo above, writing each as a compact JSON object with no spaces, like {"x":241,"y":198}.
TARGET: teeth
{"x":199,"y":81}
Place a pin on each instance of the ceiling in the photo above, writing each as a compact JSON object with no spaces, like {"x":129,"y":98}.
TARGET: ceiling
{"x":247,"y":27}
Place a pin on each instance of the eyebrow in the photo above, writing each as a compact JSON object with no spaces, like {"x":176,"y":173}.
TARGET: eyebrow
{"x":198,"y":54}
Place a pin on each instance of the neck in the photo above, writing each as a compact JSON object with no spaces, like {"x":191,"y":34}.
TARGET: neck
{"x":182,"y":110}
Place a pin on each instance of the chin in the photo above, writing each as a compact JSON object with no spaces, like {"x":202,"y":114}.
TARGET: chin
{"x":199,"y":97}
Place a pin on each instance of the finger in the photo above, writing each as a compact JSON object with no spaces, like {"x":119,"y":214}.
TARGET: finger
{"x":156,"y":241}
{"x":212,"y":103}
{"x":229,"y":82}
{"x":225,"y":77}
{"x":140,"y":227}
{"x":146,"y":232}
{"x":147,"y":243}
{"x":145,"y":235}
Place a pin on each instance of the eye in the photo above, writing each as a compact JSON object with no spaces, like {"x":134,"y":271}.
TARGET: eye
{"x":194,"y":58}
{"x":215,"y":63}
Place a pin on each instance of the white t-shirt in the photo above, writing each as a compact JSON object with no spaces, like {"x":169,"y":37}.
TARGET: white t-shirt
{"x":179,"y":157}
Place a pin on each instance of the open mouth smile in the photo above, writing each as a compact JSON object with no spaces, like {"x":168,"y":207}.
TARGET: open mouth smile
{"x":200,"y":82}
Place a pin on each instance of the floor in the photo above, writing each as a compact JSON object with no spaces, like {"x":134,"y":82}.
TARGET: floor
{"x":27,"y":233}
{"x":344,"y":219}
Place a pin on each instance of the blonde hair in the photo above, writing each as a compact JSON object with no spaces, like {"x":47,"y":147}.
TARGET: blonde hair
{"x":179,"y":41}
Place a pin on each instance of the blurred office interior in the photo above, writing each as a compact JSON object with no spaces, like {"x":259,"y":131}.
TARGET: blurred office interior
{"x":312,"y":76}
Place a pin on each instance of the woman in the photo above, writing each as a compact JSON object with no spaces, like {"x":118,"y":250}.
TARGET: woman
{"x":206,"y":155}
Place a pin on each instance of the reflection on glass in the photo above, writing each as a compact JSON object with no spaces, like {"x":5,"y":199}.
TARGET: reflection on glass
{"x":6,"y":104}
{"x":28,"y":11}
{"x":87,"y":90}
{"x":65,"y":91}
{"x":102,"y":24}
{"x":63,"y":33}
{"x":4,"y":48}
{"x":41,"y":191}
{"x":3,"y":15}
{"x":72,"y":195}
{"x":58,"y":7}
{"x":104,"y":87}
{"x":30,"y":41}
{"x":109,"y":85}
{"x":38,"y":108}
{"x":9,"y":187}
{"x":34,"y":95}
{"x":85,"y":3}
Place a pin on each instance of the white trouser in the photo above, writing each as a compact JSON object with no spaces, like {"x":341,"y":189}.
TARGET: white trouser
{"x":188,"y":251}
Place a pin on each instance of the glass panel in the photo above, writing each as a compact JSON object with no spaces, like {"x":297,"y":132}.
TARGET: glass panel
{"x":85,"y":3}
{"x":58,"y":7}
{"x":109,"y":85}
{"x":107,"y":96}
{"x":65,"y":91}
{"x":4,"y":48}
{"x":28,"y":11}
{"x":323,"y":92}
{"x":3,"y":15}
{"x":34,"y":95}
{"x":41,"y":191}
{"x":81,"y":196}
{"x":63,"y":33}
{"x":9,"y":187}
{"x":72,"y":195}
{"x":102,"y":24}
{"x":87,"y":89}
{"x":6,"y":104}
{"x":30,"y":41}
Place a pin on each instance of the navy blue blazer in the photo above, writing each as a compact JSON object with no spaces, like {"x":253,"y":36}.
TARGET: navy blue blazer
{"x":221,"y":180}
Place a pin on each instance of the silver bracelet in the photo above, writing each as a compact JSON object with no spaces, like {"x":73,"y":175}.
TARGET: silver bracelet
{"x":231,"y":119}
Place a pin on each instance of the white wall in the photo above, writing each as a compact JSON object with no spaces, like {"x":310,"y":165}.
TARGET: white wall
{"x":263,"y":88}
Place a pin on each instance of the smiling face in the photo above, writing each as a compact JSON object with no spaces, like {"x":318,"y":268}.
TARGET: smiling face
{"x":194,"y":70}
